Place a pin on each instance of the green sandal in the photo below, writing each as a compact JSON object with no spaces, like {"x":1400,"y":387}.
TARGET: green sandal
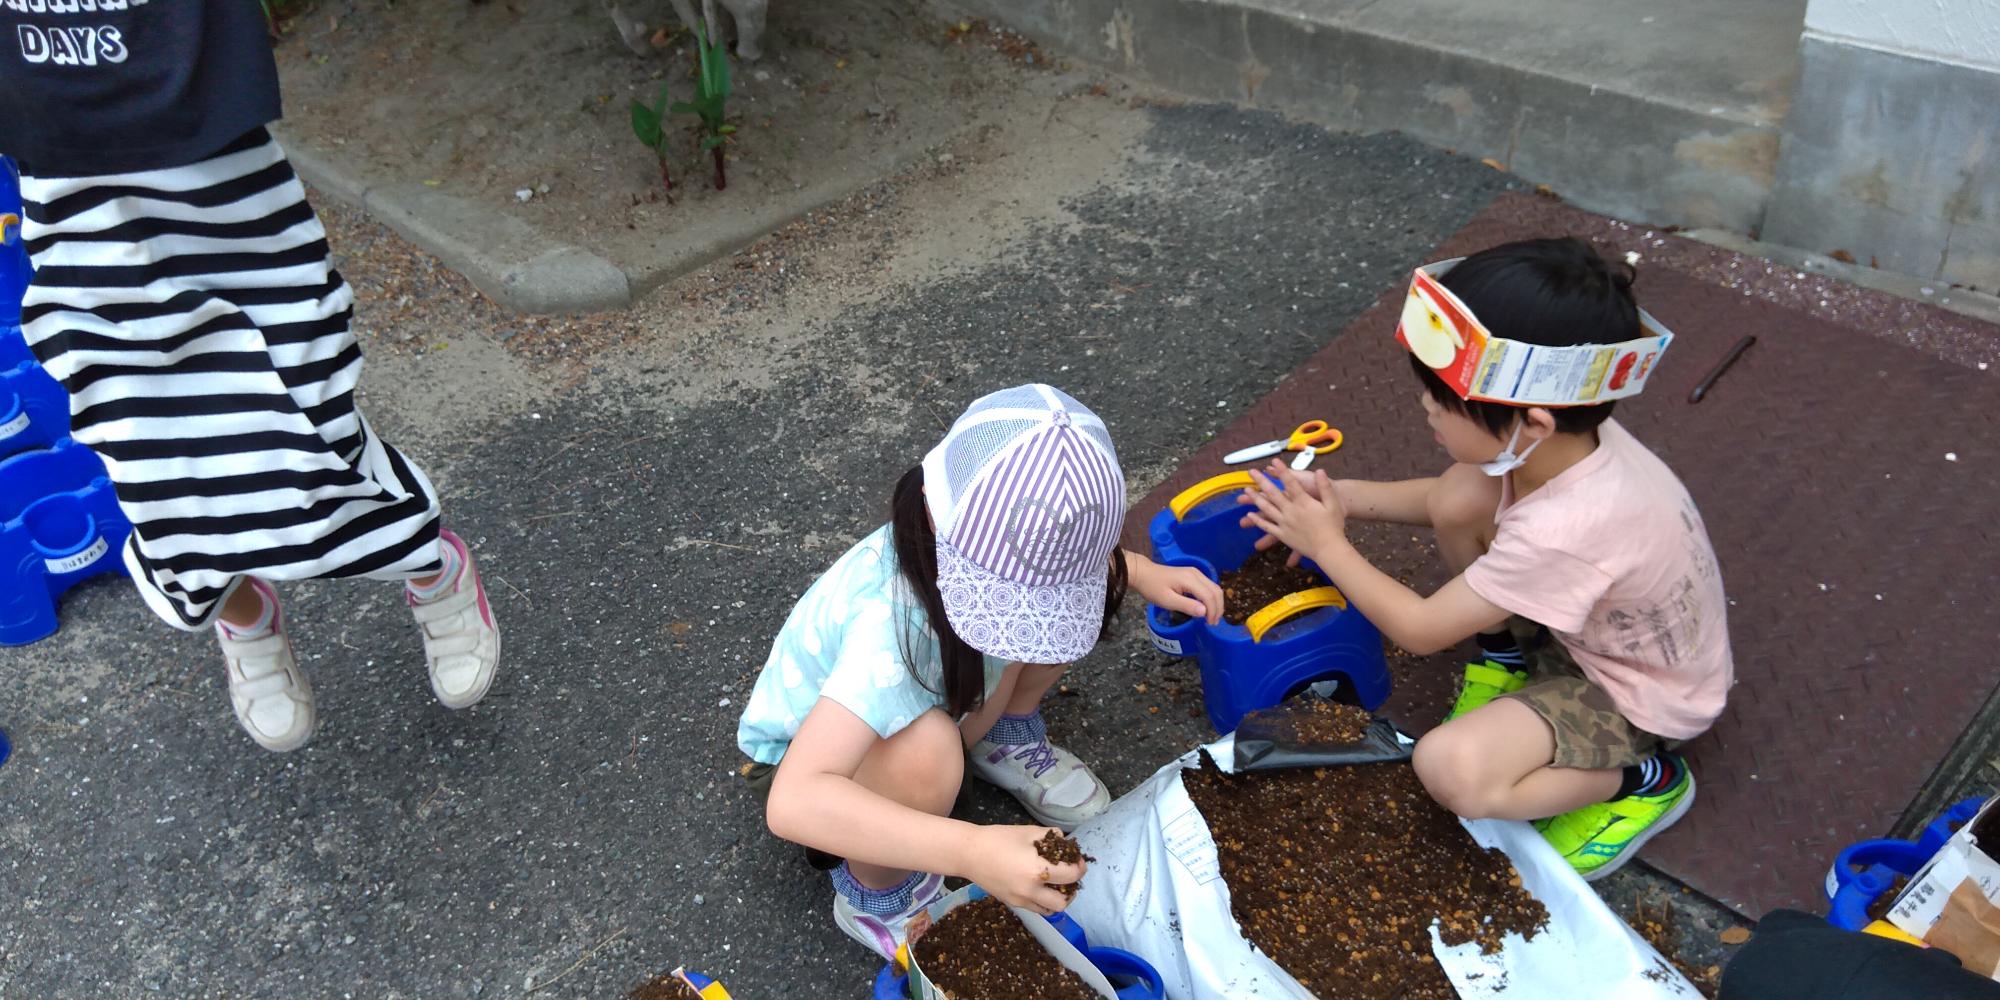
{"x":1485,"y":681}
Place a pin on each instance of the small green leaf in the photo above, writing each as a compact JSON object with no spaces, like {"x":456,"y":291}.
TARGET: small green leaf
{"x":645,"y":124}
{"x":727,"y":130}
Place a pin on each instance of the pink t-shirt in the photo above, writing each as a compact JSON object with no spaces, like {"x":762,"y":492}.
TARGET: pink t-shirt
{"x":1612,"y":556}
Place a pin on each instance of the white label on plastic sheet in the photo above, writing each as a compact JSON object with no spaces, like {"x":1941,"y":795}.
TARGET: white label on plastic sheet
{"x":1832,"y":881}
{"x":1188,"y":840}
{"x":1922,"y":903}
{"x":1171,"y":647}
{"x":15,"y":426}
{"x":70,"y":564}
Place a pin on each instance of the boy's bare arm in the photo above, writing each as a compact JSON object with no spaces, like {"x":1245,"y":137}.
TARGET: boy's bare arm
{"x":1310,"y":516}
{"x":1419,"y":624}
{"x":1406,"y":501}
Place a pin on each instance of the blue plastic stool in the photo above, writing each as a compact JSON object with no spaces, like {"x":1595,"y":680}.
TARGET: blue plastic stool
{"x":1241,"y":673}
{"x":59,"y":526}
{"x":34,"y":410}
{"x":59,"y":522}
{"x":14,"y":268}
{"x":1132,"y":977}
{"x":1864,"y":870}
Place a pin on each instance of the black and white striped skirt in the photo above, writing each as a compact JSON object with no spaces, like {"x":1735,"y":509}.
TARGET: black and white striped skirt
{"x":202,"y":333}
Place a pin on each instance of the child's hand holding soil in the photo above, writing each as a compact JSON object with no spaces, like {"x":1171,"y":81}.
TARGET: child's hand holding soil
{"x":1007,"y":861}
{"x":1063,"y":851}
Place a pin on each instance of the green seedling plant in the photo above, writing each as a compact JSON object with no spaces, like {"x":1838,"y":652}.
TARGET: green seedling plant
{"x":711,"y":97}
{"x":646,"y":125}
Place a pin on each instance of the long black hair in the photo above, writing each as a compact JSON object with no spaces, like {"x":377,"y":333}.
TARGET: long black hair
{"x":1557,"y":292}
{"x":962,"y":668}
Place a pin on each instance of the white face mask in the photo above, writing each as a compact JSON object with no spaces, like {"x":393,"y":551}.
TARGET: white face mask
{"x":1507,"y":461}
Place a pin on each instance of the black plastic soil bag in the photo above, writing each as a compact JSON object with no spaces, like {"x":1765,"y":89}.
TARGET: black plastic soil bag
{"x":1303,"y":733}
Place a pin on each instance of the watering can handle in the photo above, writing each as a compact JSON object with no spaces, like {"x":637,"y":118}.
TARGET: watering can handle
{"x":1268,"y":616}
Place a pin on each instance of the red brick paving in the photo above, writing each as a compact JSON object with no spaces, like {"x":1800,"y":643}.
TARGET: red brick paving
{"x":1861,"y":564}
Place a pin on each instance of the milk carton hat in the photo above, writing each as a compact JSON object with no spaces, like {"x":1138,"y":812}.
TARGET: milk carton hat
{"x":1027,"y":499}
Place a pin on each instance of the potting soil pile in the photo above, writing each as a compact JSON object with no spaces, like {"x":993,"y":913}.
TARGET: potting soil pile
{"x":666,"y":986}
{"x":981,"y":950}
{"x":1251,"y":884}
{"x":1263,"y":578}
{"x":1338,"y":874}
{"x":1305,"y":722}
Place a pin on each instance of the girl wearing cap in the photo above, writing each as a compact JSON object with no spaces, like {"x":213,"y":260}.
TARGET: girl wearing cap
{"x":1553,"y":517}
{"x":931,"y":642}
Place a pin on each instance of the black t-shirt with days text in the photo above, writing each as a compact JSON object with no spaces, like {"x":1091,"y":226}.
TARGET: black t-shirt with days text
{"x":113,"y":86}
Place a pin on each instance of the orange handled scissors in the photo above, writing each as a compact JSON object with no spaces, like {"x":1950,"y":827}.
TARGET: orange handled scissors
{"x":1314,"y":437}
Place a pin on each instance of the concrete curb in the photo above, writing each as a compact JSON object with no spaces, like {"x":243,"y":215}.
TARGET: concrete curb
{"x":524,"y":269}
{"x":1977,"y":305}
{"x":1653,"y":159}
{"x":510,"y":261}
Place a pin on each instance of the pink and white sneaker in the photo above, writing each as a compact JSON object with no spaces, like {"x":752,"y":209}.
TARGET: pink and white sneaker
{"x":272,"y":699}
{"x":461,"y":643}
{"x":1055,"y":787}
{"x":883,"y":935}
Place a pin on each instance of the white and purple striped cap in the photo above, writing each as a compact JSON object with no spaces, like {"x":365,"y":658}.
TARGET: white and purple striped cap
{"x":1028,"y":501}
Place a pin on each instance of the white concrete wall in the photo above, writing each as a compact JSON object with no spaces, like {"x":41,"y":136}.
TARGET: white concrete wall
{"x":1962,"y":31}
{"x":1889,"y":150}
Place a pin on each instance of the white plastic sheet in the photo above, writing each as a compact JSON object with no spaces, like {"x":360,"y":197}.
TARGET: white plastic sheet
{"x":1156,"y":890}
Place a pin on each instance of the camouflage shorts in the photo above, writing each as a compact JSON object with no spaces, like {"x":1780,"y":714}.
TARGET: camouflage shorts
{"x":1590,"y":732}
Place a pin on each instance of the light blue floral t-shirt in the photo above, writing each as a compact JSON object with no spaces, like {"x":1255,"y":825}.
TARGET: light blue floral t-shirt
{"x":845,"y":641}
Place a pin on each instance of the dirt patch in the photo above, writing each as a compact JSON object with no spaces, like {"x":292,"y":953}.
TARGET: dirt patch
{"x":1058,"y":849}
{"x":524,"y":108}
{"x":1337,"y":873}
{"x":980,"y":950}
{"x":1262,"y":579}
{"x":1306,"y":722}
{"x":1658,"y":924}
{"x":664,"y":987}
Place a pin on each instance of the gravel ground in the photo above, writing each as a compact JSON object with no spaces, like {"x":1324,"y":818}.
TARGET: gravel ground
{"x":648,"y":492}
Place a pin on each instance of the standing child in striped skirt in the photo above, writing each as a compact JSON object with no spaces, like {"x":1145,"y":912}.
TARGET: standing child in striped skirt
{"x":184,"y":297}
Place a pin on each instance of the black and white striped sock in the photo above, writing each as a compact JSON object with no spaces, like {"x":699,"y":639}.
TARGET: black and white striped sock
{"x":1651,"y":776}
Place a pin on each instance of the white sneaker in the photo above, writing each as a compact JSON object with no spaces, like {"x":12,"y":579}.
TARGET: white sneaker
{"x":1054,"y":786}
{"x":884,"y":935}
{"x":273,"y":702}
{"x":461,"y":644}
